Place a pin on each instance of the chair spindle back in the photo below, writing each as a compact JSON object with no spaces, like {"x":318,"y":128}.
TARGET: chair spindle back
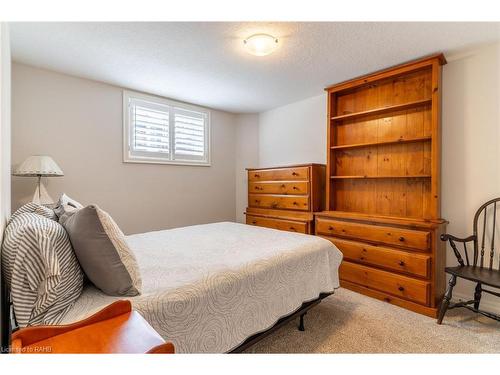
{"x":485,"y":228}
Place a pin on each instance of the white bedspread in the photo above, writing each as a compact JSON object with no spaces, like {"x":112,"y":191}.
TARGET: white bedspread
{"x":207,"y":288}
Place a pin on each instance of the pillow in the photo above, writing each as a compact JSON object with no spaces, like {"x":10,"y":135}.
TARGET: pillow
{"x":41,"y":269}
{"x":65,"y":206}
{"x":65,"y":211}
{"x":36,"y":209}
{"x":102,"y":251}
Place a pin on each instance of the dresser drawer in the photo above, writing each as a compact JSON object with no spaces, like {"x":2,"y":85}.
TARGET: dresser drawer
{"x":408,"y":238}
{"x":397,"y":260}
{"x":290,"y":202}
{"x":295,"y":188}
{"x":282,"y":174}
{"x":291,"y":226}
{"x":397,"y":285}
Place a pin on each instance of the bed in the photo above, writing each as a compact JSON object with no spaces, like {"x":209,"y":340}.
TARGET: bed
{"x":212,"y":288}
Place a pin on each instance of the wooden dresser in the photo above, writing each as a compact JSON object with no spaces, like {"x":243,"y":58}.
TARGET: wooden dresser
{"x":285,"y":197}
{"x":383,"y":184}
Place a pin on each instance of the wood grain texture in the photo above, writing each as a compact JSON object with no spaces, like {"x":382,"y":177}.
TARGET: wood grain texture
{"x":388,"y":72}
{"x":279,"y":187}
{"x":395,"y":221}
{"x":399,"y":237}
{"x":115,"y":329}
{"x":383,"y":182}
{"x":277,"y":201}
{"x":391,"y":259}
{"x":288,"y":225}
{"x":381,"y":110}
{"x":383,"y":142}
{"x":279,"y":174}
{"x":389,"y":282}
{"x":372,"y":241}
{"x":367,"y":147}
{"x":389,"y":298}
{"x":285,"y":197}
{"x":280,"y":214}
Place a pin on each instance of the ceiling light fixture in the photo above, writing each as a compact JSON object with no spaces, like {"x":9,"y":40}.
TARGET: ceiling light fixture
{"x":261,"y":44}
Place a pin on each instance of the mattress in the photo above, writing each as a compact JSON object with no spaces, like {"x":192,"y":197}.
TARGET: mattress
{"x":207,"y":288}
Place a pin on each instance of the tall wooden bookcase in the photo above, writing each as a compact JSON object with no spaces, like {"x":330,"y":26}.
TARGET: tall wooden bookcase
{"x":383,"y":183}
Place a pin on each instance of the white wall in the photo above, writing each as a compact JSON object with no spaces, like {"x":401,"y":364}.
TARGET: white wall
{"x":5,"y":101}
{"x":296,"y":133}
{"x":247,"y":156}
{"x":5,"y":67}
{"x":292,"y":134}
{"x":79,"y":123}
{"x":471,"y":140}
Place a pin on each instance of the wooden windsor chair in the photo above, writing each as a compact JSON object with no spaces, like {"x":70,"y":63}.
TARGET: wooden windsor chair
{"x":481,"y":268}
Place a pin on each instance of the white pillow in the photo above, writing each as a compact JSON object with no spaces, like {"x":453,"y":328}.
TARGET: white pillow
{"x":66,"y":206}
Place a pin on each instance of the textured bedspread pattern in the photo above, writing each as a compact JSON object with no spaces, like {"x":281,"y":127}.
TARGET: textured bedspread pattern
{"x":207,"y":288}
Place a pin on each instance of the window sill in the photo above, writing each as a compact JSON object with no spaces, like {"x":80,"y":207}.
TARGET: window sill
{"x":168,"y":162}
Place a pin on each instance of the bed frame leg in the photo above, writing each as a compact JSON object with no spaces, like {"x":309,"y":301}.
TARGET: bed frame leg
{"x":301,"y":324}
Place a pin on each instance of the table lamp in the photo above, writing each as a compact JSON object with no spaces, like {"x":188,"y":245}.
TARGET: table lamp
{"x":39,"y":166}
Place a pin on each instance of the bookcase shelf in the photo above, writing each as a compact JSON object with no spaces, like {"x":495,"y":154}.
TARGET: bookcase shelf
{"x":380,"y":163}
{"x":383,"y":184}
{"x":381,"y":143}
{"x":376,"y":111}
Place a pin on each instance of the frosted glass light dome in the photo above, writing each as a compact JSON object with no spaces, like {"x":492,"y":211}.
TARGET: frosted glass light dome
{"x":261,"y":44}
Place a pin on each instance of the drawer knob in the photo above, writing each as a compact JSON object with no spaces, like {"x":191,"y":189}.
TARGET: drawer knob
{"x":293,"y":229}
{"x":330,"y":228}
{"x":401,"y":263}
{"x":283,"y":186}
{"x":254,"y":222}
{"x":401,"y":289}
{"x":295,"y":174}
{"x":258,"y":188}
{"x":257,"y":201}
{"x":295,"y":188}
{"x":257,"y":175}
{"x":401,"y":239}
{"x":295,"y":204}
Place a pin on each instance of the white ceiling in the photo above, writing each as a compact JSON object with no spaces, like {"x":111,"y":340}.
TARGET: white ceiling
{"x":205,"y":64}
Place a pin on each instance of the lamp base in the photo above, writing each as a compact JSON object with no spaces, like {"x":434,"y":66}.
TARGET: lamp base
{"x":41,"y":195}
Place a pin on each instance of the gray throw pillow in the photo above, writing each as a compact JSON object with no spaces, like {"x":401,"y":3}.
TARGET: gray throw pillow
{"x":102,"y":251}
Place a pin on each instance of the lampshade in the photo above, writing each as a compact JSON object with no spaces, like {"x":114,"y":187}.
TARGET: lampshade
{"x":38,"y":165}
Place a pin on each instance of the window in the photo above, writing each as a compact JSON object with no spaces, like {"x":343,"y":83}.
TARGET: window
{"x":157,"y":130}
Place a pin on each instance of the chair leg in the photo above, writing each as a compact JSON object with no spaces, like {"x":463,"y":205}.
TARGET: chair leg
{"x":446,"y":299}
{"x":477,"y":295}
{"x":301,"y":322}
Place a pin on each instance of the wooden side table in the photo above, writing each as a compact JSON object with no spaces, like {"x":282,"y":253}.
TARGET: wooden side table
{"x":114,"y":329}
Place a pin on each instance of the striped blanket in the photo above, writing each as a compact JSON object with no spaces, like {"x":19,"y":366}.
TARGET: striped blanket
{"x":39,"y":266}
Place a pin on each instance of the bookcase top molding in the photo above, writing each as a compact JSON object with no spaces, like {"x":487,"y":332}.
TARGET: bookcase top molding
{"x":388,"y":72}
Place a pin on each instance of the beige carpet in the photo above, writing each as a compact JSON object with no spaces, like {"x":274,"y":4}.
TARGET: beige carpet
{"x":349,"y":322}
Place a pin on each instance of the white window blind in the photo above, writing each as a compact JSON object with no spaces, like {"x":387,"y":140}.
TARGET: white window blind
{"x":189,"y":137}
{"x":161,"y":131}
{"x":150,"y":128}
